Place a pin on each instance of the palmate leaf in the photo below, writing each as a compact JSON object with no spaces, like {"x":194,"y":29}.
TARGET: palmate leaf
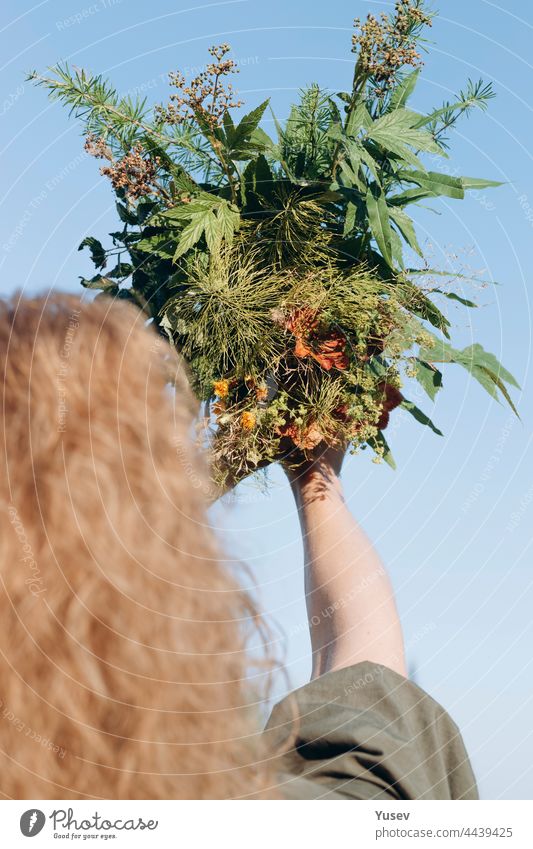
{"x":257,"y":185}
{"x":202,"y":222}
{"x":207,"y":215}
{"x":398,"y":129}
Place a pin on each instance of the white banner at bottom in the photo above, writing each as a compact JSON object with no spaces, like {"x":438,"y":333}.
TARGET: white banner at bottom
{"x":267,"y":825}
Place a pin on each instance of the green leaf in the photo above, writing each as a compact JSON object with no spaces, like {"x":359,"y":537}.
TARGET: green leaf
{"x":262,"y":141}
{"x":350,"y":177}
{"x":212,"y":231}
{"x":359,"y":118}
{"x":429,"y":378}
{"x":208,"y":215}
{"x":358,"y":154}
{"x":398,"y":128}
{"x":439,"y":352}
{"x":409,"y":196}
{"x":397,"y":148}
{"x":183,"y":183}
{"x":145,"y":209}
{"x":403,"y":91}
{"x":453,"y":296}
{"x":229,"y":127}
{"x":121,"y":270}
{"x":481,"y":364}
{"x":419,"y":304}
{"x":477,"y":356}
{"x":397,"y":249}
{"x":349,"y":222}
{"x":336,"y":133}
{"x":435,"y":182}
{"x":126,"y":215}
{"x":163,"y":245}
{"x":98,"y":254}
{"x":378,"y":219}
{"x":501,"y":386}
{"x":229,"y":220}
{"x":406,"y":228}
{"x":193,"y":231}
{"x":479,"y":183}
{"x":105,"y":284}
{"x":247,"y":125}
{"x":261,"y":178}
{"x":420,"y":416}
{"x":380,"y":441}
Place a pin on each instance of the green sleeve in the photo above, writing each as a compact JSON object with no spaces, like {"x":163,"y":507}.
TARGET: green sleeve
{"x":365,"y":732}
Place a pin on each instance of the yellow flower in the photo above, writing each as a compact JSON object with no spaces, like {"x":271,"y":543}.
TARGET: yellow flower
{"x":248,"y":420}
{"x":221,"y":388}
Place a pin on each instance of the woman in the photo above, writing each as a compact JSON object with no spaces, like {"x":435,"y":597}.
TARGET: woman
{"x":124,"y":669}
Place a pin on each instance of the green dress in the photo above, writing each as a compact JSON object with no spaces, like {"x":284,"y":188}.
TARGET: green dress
{"x":365,"y":732}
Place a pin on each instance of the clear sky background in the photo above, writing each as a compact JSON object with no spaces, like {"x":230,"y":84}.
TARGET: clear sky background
{"x":453,"y":523}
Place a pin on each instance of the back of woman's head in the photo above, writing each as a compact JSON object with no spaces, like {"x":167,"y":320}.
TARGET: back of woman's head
{"x":122,"y":647}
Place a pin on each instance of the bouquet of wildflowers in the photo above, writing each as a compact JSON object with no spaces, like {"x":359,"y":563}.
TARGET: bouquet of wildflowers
{"x":287,"y":270}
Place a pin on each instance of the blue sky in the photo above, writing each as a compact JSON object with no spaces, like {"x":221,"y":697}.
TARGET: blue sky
{"x":453,"y":523}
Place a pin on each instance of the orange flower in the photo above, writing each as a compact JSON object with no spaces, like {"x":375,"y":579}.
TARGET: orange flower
{"x":261,"y":393}
{"x":329,"y":351}
{"x":221,"y":388}
{"x":248,"y":420}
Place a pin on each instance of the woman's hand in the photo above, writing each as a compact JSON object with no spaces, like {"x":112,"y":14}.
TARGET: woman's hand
{"x":350,"y":602}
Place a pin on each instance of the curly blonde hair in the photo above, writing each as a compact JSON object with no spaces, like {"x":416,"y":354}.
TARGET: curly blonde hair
{"x":123,"y":645}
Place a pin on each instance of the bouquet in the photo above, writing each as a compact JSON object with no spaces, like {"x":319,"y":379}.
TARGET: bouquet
{"x":287,"y":271}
